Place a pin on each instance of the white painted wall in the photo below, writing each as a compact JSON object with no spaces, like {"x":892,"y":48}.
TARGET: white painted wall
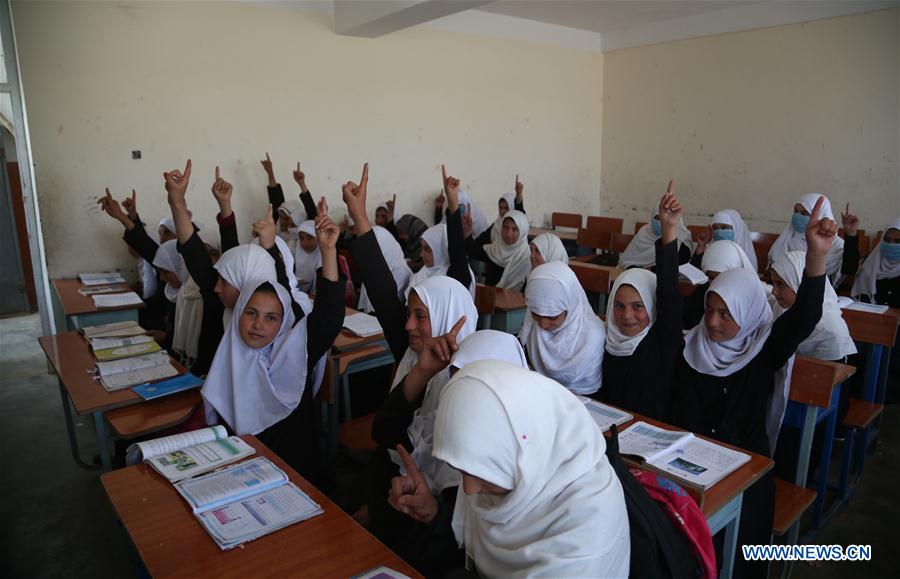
{"x":750,"y":120}
{"x":225,"y":82}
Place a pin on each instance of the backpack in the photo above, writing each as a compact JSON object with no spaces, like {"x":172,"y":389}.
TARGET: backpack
{"x":658,"y":547}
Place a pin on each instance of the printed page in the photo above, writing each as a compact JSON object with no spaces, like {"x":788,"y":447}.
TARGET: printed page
{"x":89,"y":291}
{"x":647,"y":441}
{"x":141,"y":376}
{"x":200,"y":458}
{"x":605,"y":416}
{"x":700,"y":462}
{"x":692,"y":274}
{"x":117,"y":300}
{"x":113,"y":330}
{"x":363,"y":325}
{"x":231,"y":484}
{"x":862,"y":307}
{"x":149,"y":448}
{"x":126,"y":351}
{"x":258,"y":515}
{"x":100,"y":278}
{"x":107,"y":343}
{"x":133,"y":363}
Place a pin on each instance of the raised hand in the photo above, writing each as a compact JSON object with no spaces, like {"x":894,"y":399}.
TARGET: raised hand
{"x":819,"y":232}
{"x":111,"y":207}
{"x":519,"y":188}
{"x":467,"y":222}
{"x":270,"y":172}
{"x":451,"y":189}
{"x":130,"y":205}
{"x":177,"y":184}
{"x":703,"y":240}
{"x":264,"y":229}
{"x":410,"y":494}
{"x":327,"y":231}
{"x":221,"y":189}
{"x":355,"y":197}
{"x":436,"y":353}
{"x":300,"y":178}
{"x":850,"y":222}
{"x":670,"y":212}
{"x":390,"y":207}
{"x":439,"y":200}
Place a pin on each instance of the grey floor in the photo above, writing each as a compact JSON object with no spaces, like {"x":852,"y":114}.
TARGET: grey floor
{"x":57,"y":522}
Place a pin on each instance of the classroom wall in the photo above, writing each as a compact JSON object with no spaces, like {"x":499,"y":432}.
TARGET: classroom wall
{"x":226,"y":82}
{"x":751,"y":120}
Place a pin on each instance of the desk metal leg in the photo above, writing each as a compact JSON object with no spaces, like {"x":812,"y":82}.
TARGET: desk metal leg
{"x":807,"y":432}
{"x":824,"y":464}
{"x":103,"y":441}
{"x":728,"y":518}
{"x":70,"y":429}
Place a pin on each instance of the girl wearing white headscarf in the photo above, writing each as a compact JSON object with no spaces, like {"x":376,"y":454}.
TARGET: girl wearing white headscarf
{"x":793,"y":237}
{"x":172,"y":268}
{"x":436,"y":256}
{"x":488,"y":345}
{"x":570,"y":352}
{"x":393,"y":256}
{"x":507,"y":264}
{"x":727,"y":225}
{"x":878,"y":281}
{"x":727,"y":374}
{"x":556,"y":508}
{"x":641,"y":251}
{"x":307,"y":261}
{"x":719,"y":256}
{"x":547,"y":248}
{"x":287,"y":227}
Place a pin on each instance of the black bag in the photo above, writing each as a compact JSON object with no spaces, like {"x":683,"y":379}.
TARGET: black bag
{"x":658,"y":547}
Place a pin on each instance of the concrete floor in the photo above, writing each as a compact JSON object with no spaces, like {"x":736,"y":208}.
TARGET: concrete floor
{"x":57,"y":521}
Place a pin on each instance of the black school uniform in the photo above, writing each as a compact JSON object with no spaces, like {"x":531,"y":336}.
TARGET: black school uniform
{"x":642,"y":381}
{"x":160,"y":312}
{"x":733,"y":409}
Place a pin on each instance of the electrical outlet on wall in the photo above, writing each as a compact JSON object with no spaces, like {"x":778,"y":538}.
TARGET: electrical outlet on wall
{"x":135,"y":154}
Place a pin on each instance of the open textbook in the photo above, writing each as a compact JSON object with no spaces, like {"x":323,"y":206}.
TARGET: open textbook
{"x":113,"y":330}
{"x":116,"y":300}
{"x":118,"y":374}
{"x":245,"y":501}
{"x":188,"y":454}
{"x":847,"y":304}
{"x":605,"y":416}
{"x":362,"y":325}
{"x":118,"y":352}
{"x":680,"y":454}
{"x":100,"y":278}
{"x":692,"y":274}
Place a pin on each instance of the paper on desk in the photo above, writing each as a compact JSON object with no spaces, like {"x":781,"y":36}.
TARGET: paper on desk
{"x":148,"y":449}
{"x":863,"y":307}
{"x":605,"y":416}
{"x":133,"y":363}
{"x":140,"y":376}
{"x":100,"y":278}
{"x":692,"y":274}
{"x":363,"y":325}
{"x":117,"y":300}
{"x":89,"y":291}
{"x":106,"y":343}
{"x":113,"y":330}
{"x":236,"y":482}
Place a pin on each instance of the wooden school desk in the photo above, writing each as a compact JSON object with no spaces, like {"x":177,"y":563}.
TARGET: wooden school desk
{"x":721,"y":503}
{"x":563,"y":234}
{"x":73,"y":311}
{"x":509,"y":310}
{"x":171,"y":542}
{"x":71,"y":358}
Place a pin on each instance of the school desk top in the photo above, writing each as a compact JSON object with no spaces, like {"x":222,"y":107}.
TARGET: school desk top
{"x":813,"y":380}
{"x":564,"y":234}
{"x":71,"y":358}
{"x":347,"y":340}
{"x":872,"y":328}
{"x":171,"y":542}
{"x":75,"y":304}
{"x":718,"y":495}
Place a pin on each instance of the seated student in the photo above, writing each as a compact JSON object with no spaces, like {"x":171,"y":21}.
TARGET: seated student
{"x":189,"y":307}
{"x":409,"y":231}
{"x":507,"y":260}
{"x":641,"y":252}
{"x":793,"y":237}
{"x":506,"y":202}
{"x":643,"y":327}
{"x":538,"y":495}
{"x":719,"y":256}
{"x":563,"y":337}
{"x":172,"y":273}
{"x":727,"y":372}
{"x":307,"y":257}
{"x":547,"y":248}
{"x":878,"y":281}
{"x":726,"y":225}
{"x":287,"y":228}
{"x":384,"y":214}
{"x":393,"y":256}
{"x":260,"y":381}
{"x":439,"y":248}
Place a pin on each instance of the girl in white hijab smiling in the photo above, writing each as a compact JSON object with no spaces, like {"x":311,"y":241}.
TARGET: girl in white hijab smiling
{"x":538,"y":495}
{"x":643,"y":327}
{"x":727,"y":374}
{"x":562,"y":336}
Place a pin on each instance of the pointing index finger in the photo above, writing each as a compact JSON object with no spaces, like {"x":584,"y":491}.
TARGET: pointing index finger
{"x":218,"y":175}
{"x":364,"y":180}
{"x":669,"y":189}
{"x":412,"y":470}
{"x":457,"y":327}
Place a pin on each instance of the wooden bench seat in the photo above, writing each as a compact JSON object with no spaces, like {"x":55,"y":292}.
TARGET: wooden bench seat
{"x":356,"y":434}
{"x":860,"y":413}
{"x":153,"y":415}
{"x":791,"y":502}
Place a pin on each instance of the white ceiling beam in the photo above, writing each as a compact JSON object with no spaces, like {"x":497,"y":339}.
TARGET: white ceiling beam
{"x":374,"y":18}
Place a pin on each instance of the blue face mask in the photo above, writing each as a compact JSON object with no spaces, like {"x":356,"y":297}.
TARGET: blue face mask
{"x":656,"y":226}
{"x":799,"y":221}
{"x":890,"y":251}
{"x":723,"y":234}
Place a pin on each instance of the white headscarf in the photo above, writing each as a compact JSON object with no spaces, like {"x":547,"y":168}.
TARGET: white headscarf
{"x":617,"y":343}
{"x":447,"y":301}
{"x":741,"y":232}
{"x":168,"y":258}
{"x":147,"y":273}
{"x":565,"y":513}
{"x":306,"y":264}
{"x":551,"y":248}
{"x":830,"y":340}
{"x":875,"y":267}
{"x":242,"y":265}
{"x":791,"y":240}
{"x":479,"y":220}
{"x":724,"y":255}
{"x":515,"y":259}
{"x":436,"y":238}
{"x":745,"y":297}
{"x":168,"y":223}
{"x":188,"y":321}
{"x":252,"y":389}
{"x":489,"y":345}
{"x":287,"y":257}
{"x":289,"y":208}
{"x":510,"y":199}
{"x":396,"y":262}
{"x":573,"y":353}
{"x":641,"y":252}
